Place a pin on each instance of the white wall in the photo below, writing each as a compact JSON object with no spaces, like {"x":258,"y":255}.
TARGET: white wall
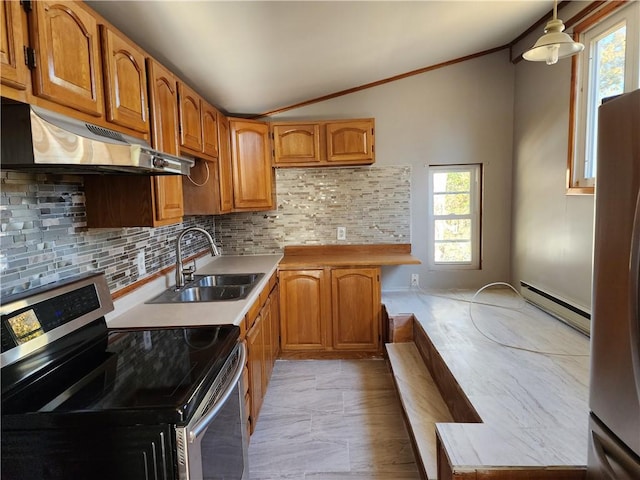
{"x":458,"y":114}
{"x":552,"y":232}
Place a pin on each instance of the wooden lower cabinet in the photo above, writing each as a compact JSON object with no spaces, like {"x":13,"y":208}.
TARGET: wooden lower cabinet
{"x":262,"y":341}
{"x":330,"y":309}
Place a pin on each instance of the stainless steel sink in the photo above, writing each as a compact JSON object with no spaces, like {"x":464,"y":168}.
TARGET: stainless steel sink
{"x":211,"y":288}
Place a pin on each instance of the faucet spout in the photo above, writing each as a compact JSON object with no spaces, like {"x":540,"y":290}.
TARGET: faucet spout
{"x":182,"y":272}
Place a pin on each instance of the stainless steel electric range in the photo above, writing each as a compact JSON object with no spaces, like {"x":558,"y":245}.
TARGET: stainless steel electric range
{"x":83,"y":401}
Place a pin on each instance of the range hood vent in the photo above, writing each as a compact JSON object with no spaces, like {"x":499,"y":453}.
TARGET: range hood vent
{"x":42,"y":141}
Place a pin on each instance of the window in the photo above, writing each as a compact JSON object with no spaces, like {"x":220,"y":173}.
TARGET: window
{"x":609,"y":66}
{"x":454,"y":216}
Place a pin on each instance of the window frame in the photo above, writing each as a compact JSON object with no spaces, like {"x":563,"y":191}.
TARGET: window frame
{"x":609,"y":15}
{"x":476,"y":171}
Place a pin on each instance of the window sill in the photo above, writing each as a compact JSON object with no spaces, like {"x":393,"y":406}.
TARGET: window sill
{"x":580,"y":190}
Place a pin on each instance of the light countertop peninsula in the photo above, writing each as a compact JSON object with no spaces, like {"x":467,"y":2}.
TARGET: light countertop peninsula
{"x":131,"y":311}
{"x":533,"y":406}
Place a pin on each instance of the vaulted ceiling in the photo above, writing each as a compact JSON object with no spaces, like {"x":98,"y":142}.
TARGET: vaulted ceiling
{"x":258,"y":56}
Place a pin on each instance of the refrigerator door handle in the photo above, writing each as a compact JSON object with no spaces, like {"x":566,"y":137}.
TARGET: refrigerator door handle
{"x":634,"y":295}
{"x":616,"y":467}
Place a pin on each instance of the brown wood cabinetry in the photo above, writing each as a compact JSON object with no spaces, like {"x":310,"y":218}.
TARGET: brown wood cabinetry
{"x":13,"y":71}
{"x":325,"y":143}
{"x":125,"y":83}
{"x":251,"y":162}
{"x":67,"y":70}
{"x":140,"y":201}
{"x":263,"y":345}
{"x":330,"y":309}
{"x":190,"y":119}
{"x":225,"y":167}
{"x":303,"y":310}
{"x":209,"y":130}
{"x":296,"y":143}
{"x":355,"y":308}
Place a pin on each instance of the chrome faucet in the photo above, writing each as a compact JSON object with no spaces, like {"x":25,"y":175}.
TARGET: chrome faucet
{"x":183,"y":273}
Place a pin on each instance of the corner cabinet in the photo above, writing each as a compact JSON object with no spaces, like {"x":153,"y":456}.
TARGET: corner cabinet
{"x":67,"y":49}
{"x":330,"y":309}
{"x":251,"y":163}
{"x":326,"y":143}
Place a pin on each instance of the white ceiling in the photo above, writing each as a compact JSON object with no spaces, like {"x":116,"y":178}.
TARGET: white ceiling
{"x":257,"y":56}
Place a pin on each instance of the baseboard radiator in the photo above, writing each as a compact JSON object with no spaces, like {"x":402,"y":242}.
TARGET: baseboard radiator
{"x":562,"y":309}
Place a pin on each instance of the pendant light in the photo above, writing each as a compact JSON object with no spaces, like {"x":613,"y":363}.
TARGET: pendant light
{"x":554,"y":44}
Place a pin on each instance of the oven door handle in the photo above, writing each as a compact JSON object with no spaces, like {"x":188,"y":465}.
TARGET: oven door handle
{"x":204,"y":422}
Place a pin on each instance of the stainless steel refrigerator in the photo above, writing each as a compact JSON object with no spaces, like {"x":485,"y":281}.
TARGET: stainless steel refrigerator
{"x":614,"y":395}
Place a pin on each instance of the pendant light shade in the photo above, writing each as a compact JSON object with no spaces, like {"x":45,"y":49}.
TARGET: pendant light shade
{"x":554,"y":44}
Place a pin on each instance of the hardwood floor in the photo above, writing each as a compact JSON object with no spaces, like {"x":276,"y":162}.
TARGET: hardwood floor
{"x":331,"y":420}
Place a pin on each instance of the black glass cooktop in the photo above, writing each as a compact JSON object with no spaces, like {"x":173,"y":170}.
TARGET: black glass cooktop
{"x":141,"y":376}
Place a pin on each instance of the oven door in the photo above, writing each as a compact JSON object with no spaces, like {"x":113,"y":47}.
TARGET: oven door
{"x":213,"y":445}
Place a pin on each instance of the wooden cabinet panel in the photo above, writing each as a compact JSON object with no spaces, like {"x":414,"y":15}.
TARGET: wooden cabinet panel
{"x":65,"y":37}
{"x":13,"y":71}
{"x":302,"y":310}
{"x":275,"y":322}
{"x":168,"y":199}
{"x":255,"y":345}
{"x":163,"y":102}
{"x":163,"y":97}
{"x":251,"y":161}
{"x":296,"y":143}
{"x":355,"y":299}
{"x":190,"y":118}
{"x":267,"y":327}
{"x":209,"y":130}
{"x":125,"y":79}
{"x":350,"y":141}
{"x":225,"y":168}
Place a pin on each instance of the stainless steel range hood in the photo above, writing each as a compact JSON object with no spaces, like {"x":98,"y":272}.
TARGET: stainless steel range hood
{"x":39,"y":140}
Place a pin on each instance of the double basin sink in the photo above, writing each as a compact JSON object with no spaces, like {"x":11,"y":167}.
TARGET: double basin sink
{"x":211,"y":288}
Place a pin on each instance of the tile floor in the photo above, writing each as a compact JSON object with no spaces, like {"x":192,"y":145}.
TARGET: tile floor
{"x":331,"y":420}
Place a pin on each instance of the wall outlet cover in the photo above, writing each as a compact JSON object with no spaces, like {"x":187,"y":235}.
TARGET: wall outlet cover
{"x":415,"y":279}
{"x":342,"y":233}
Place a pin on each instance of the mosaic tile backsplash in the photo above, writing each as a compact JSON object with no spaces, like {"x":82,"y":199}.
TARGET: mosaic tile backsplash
{"x":44,"y":238}
{"x":373,"y":203}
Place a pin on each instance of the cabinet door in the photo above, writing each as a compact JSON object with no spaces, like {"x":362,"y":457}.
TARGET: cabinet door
{"x":67,"y":72}
{"x":163,"y":94}
{"x":190,"y":119}
{"x":295,"y":144}
{"x":209,"y":130}
{"x":355,"y":297}
{"x":252,"y":171}
{"x":267,"y":332}
{"x":303,"y":299}
{"x":13,"y":71}
{"x":255,"y":345}
{"x":225,"y":168}
{"x":350,"y":141}
{"x":125,"y":79}
{"x":275,"y":322}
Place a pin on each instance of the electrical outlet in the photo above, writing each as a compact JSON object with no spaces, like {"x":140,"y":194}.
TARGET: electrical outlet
{"x":342,"y":233}
{"x":142,"y":268}
{"x":415,"y":279}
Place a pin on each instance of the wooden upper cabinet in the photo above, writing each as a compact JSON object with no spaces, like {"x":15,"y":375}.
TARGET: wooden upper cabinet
{"x":209,"y":130}
{"x":190,"y":119}
{"x":303,"y":311}
{"x":296,"y":144}
{"x":13,"y":71}
{"x":163,"y":96}
{"x":67,"y":50}
{"x":225,"y":168}
{"x":125,"y":81}
{"x":323,"y":143}
{"x":355,"y":300}
{"x":350,"y":140}
{"x":251,"y":161}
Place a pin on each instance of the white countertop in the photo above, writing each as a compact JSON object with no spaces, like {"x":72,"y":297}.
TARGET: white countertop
{"x":131,"y":311}
{"x":534,"y":407}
